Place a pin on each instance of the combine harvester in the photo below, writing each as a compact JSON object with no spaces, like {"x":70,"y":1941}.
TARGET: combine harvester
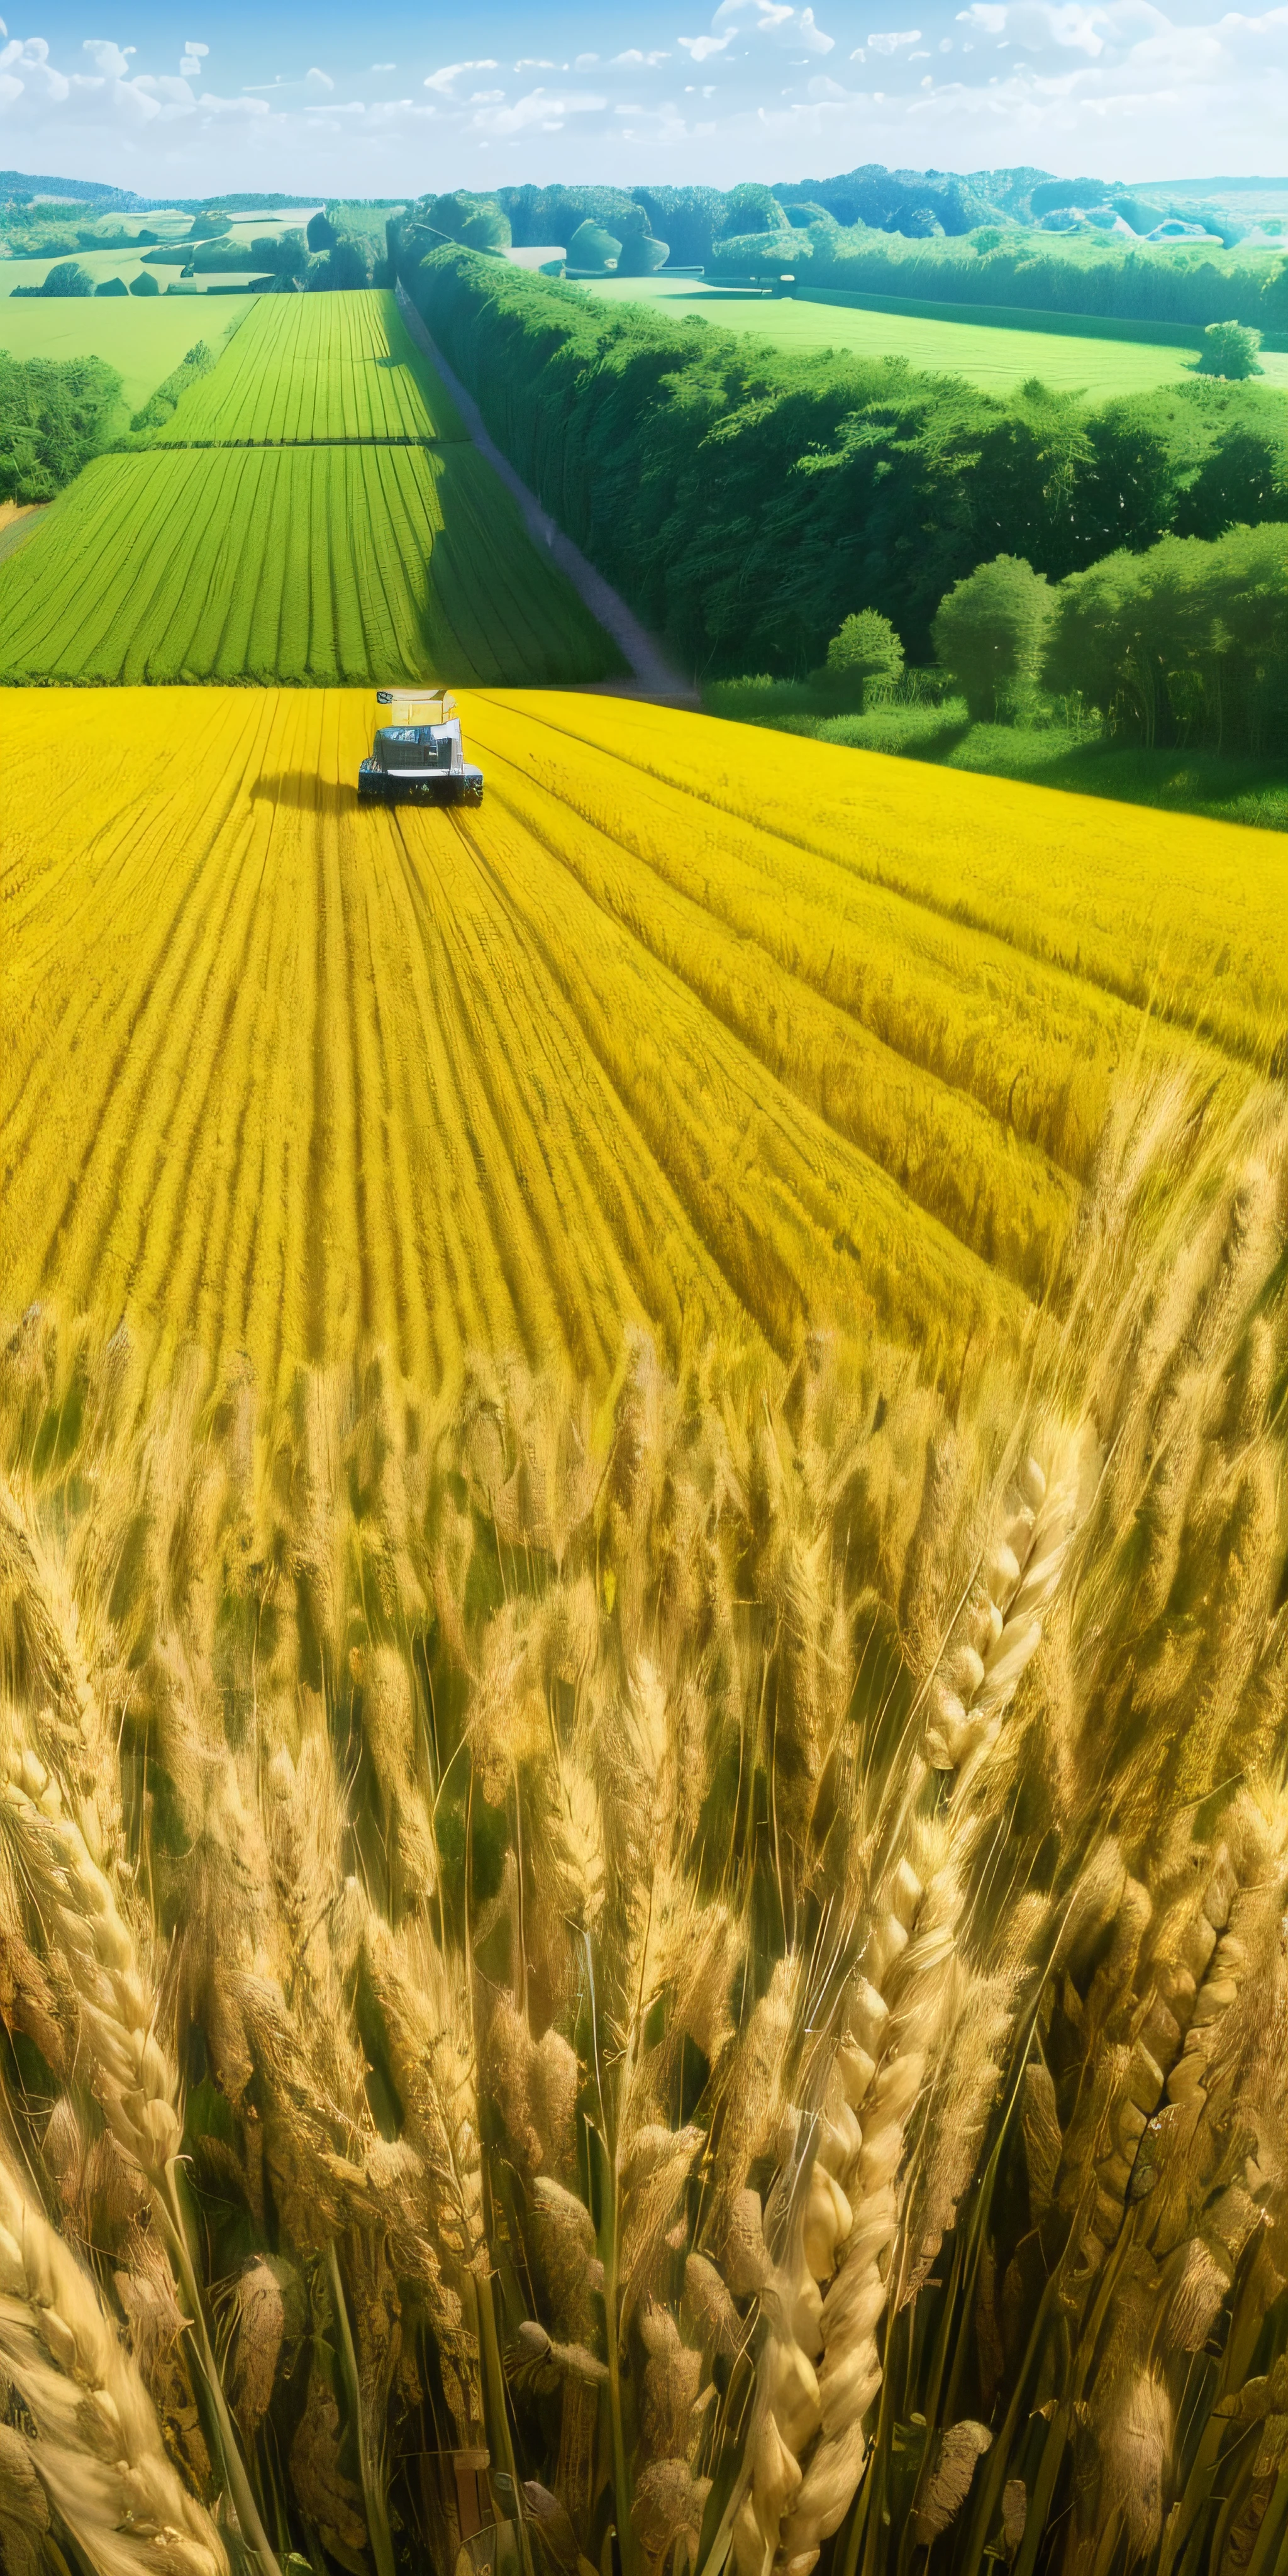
{"x":417,"y":757}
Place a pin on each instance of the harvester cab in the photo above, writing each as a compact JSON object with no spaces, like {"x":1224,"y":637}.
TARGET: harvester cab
{"x":417,"y":755}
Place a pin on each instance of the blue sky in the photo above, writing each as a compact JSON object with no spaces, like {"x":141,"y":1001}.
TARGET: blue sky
{"x":400,"y":99}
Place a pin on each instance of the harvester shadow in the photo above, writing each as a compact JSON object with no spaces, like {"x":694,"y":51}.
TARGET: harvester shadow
{"x":301,"y":791}
{"x":937,"y":745}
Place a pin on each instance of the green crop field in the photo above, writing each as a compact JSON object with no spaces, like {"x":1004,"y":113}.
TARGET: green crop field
{"x":306,"y":367}
{"x":143,"y":338}
{"x":997,"y":359}
{"x":299,"y":564}
{"x":314,"y":513}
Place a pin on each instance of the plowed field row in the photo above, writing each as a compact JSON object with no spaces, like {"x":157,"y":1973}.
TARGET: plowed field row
{"x":281,"y":1072}
{"x":322,"y":564}
{"x":312,"y":513}
{"x":304,"y":367}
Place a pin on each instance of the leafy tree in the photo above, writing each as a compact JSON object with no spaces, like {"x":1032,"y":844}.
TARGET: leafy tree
{"x":640,"y":254}
{"x":687,"y":218}
{"x":1187,"y":643}
{"x":752,"y":209}
{"x":144,"y":284}
{"x":867,"y":648}
{"x":69,"y":278}
{"x":351,"y":262}
{"x":281,"y":254}
{"x":761,"y":254}
{"x":487,"y":229}
{"x":447,"y":214}
{"x":54,"y":415}
{"x":592,"y":247}
{"x":208,"y":227}
{"x":1230,"y":349}
{"x":321,"y":232}
{"x":292,"y":258}
{"x":111,"y":286}
{"x":1274,"y":297}
{"x":990,"y":631}
{"x":164,"y":402}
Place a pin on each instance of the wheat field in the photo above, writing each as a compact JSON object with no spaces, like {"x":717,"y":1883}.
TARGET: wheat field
{"x":679,"y":1029}
{"x":688,"y":1982}
{"x":643,"y":1835}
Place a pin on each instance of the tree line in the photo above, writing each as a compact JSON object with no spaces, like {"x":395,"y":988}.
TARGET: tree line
{"x":1111,"y":280}
{"x":752,"y":230}
{"x":343,"y":246}
{"x":1184,"y":644}
{"x":746,"y":500}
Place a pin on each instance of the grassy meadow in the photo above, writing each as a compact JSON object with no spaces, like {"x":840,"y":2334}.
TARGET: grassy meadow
{"x":126,"y":263}
{"x":130,"y":260}
{"x":142,"y":337}
{"x":997,"y":359}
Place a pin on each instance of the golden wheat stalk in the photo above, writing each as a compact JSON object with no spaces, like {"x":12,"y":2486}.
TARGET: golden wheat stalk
{"x":98,"y":2449}
{"x":117,"y":2005}
{"x":821,"y":2368}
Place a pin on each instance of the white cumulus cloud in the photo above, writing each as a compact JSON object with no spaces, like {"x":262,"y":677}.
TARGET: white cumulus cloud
{"x":111,"y":60}
{"x":444,"y":81}
{"x":540,"y":112}
{"x":1205,"y":87}
{"x":773,"y":20}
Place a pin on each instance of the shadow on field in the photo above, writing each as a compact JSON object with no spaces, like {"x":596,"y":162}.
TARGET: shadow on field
{"x":301,"y":791}
{"x":937,"y":745}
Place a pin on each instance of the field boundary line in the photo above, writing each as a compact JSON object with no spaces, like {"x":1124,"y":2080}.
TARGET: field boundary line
{"x":1185,"y":337}
{"x":19,"y":526}
{"x":647,"y":662}
{"x":346,"y":438}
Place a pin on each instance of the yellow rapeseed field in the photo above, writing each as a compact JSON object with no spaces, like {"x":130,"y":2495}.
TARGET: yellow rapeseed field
{"x":689,"y":1024}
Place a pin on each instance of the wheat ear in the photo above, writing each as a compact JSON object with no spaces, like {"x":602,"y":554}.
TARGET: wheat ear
{"x":833,"y":2290}
{"x":98,"y":2449}
{"x":132,"y":2077}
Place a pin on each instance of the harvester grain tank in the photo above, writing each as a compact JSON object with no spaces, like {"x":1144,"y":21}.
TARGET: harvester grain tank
{"x":417,"y":755}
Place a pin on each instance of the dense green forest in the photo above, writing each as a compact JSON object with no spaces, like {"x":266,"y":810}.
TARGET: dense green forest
{"x":746,"y":501}
{"x":54,"y":415}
